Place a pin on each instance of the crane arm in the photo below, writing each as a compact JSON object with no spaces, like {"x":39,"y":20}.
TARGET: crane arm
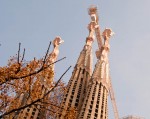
{"x":112,"y":97}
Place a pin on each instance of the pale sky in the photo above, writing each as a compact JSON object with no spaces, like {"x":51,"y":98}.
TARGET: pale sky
{"x":35,"y":22}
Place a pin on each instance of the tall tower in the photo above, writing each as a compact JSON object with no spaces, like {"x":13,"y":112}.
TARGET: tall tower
{"x":95,"y":101}
{"x":78,"y":82}
{"x":94,"y":17}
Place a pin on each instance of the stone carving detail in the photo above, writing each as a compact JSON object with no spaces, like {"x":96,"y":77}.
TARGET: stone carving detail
{"x":106,"y":35}
{"x":102,"y":66}
{"x":56,"y":42}
{"x":105,"y":48}
{"x":90,"y":38}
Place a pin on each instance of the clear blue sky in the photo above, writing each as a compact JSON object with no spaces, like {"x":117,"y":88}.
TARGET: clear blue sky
{"x":35,"y":22}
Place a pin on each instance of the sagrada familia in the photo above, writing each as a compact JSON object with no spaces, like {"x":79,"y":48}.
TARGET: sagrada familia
{"x":87,"y":90}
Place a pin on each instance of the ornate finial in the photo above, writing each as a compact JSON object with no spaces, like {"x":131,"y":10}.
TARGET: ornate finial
{"x":93,"y":13}
{"x":92,"y":9}
{"x":107,"y":33}
{"x":57,"y":41}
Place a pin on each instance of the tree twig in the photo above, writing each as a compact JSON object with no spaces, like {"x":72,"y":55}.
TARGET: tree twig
{"x":23,"y":55}
{"x":46,"y":53}
{"x":19,"y":52}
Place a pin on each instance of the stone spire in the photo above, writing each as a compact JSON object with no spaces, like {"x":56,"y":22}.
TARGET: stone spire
{"x":85,"y":59}
{"x":41,"y":86}
{"x":95,"y":101}
{"x":77,"y":85}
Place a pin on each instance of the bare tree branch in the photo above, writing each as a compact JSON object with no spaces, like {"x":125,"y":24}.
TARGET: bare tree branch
{"x":19,"y":52}
{"x":23,"y":55}
{"x":46,"y":53}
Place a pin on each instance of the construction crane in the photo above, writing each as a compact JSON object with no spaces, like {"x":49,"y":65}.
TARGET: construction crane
{"x":113,"y":100}
{"x":94,"y":20}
